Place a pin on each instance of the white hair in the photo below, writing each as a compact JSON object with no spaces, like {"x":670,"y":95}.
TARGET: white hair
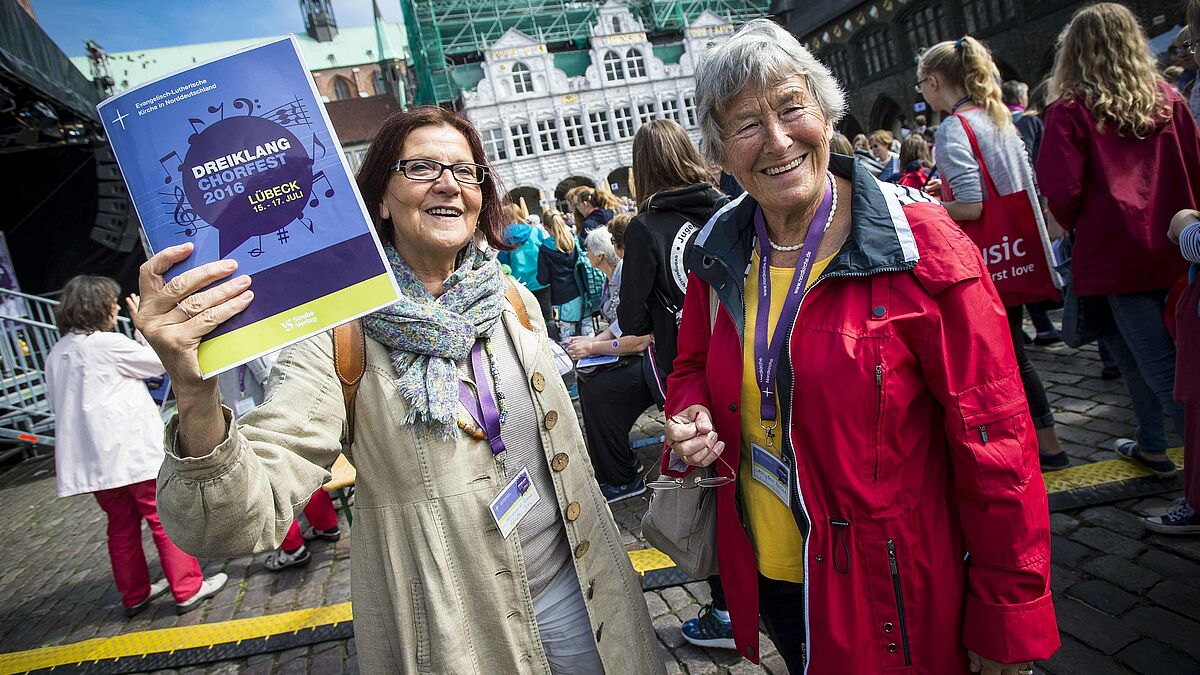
{"x":759,"y":55}
{"x":600,"y":244}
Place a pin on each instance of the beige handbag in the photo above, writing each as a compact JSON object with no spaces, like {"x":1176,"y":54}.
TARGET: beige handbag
{"x":682,"y":522}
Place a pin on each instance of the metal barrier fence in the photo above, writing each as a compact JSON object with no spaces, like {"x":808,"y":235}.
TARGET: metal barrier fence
{"x":27,"y":332}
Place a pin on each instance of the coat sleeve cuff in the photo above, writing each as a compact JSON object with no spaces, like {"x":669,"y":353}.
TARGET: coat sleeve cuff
{"x":1011,"y":633}
{"x":206,"y":467}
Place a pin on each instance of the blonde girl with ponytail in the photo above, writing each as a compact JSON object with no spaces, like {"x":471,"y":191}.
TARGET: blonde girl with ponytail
{"x":960,"y":79}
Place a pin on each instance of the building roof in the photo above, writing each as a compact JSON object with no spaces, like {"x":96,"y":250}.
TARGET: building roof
{"x":353,"y":46}
{"x":357,"y":119}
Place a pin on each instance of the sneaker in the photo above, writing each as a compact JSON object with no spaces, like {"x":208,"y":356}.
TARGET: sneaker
{"x":1110,"y":373}
{"x":1044,"y":339}
{"x":1128,"y":448}
{"x":709,"y":630}
{"x":280,"y":559}
{"x":1181,"y":519}
{"x":156,"y":589}
{"x":1055,"y":462}
{"x":310,"y":533}
{"x":207,"y":589}
{"x":615,"y":493}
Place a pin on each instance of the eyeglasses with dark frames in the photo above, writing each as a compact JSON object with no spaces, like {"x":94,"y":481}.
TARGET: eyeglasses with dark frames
{"x":1190,"y":46}
{"x":429,"y":170}
{"x":917,"y":86}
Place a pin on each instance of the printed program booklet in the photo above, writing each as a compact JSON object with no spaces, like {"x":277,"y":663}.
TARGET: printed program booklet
{"x":238,"y":156}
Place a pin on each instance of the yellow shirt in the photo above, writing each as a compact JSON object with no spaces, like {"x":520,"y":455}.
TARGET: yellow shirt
{"x":778,"y":544}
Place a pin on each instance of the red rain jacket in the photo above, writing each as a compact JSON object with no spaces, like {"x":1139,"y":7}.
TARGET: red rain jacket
{"x":909,"y":439}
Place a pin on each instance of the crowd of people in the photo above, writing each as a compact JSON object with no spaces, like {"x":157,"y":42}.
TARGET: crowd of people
{"x":838,"y":362}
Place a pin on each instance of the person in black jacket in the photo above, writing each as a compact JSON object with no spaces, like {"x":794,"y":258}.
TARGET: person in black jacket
{"x":557,"y":258}
{"x":675,"y":200}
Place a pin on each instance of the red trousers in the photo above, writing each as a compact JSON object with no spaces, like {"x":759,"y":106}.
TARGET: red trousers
{"x":321,"y":515}
{"x":126,"y":507}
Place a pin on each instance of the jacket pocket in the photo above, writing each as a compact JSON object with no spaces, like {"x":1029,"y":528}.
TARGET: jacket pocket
{"x":883,"y":567}
{"x":995,"y":419}
{"x":420,"y":620}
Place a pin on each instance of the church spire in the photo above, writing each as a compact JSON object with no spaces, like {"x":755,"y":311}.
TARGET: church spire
{"x":319,"y":20}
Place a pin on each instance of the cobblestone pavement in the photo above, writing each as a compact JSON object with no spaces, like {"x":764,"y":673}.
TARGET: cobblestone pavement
{"x":1128,"y":601}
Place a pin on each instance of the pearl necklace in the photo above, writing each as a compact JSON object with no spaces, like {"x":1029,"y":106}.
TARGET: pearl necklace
{"x":828,"y":222}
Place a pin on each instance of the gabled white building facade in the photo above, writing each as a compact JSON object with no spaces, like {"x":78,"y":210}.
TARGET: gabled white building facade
{"x":542,"y":127}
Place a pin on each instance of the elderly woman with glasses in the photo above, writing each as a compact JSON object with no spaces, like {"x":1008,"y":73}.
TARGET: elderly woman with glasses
{"x":845,"y":357}
{"x":481,"y":541}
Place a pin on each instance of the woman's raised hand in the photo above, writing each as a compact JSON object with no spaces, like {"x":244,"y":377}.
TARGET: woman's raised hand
{"x":692,"y":438}
{"x":174,"y":315}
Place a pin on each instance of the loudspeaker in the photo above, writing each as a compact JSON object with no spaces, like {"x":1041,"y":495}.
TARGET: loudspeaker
{"x":116,"y":222}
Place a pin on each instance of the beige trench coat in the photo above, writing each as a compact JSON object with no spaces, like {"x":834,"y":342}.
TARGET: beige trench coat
{"x":435,"y":587}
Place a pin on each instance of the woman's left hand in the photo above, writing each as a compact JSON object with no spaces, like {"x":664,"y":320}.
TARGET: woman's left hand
{"x":989,"y":667}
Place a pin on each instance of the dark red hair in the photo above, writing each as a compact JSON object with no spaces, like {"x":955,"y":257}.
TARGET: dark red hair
{"x":376,"y":169}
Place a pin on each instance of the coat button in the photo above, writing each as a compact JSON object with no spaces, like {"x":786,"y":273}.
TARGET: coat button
{"x":591,"y":589}
{"x":551,"y":419}
{"x":559,"y":461}
{"x":732,"y":407}
{"x":599,"y":631}
{"x":820,"y":559}
{"x":573,"y":512}
{"x":538,"y":381}
{"x":582,"y":549}
{"x":888,"y":627}
{"x":879,"y":311}
{"x":892,"y":647}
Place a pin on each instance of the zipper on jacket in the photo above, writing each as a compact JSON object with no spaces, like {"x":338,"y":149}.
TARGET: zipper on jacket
{"x":891,"y":544}
{"x":983,"y":433}
{"x":878,"y":419}
{"x":841,"y":539}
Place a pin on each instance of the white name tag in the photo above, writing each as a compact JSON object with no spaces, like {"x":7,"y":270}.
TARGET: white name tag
{"x":517,"y":498}
{"x":243,"y":406}
{"x":771,"y":472}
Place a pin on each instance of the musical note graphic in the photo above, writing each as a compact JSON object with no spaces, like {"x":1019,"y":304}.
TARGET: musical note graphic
{"x":217,"y":108}
{"x":282,"y":234}
{"x":317,"y":178}
{"x":246,"y":103}
{"x":163,"y":162}
{"x":193,"y":121}
{"x":257,"y":250}
{"x":316,"y":143}
{"x":184,"y":215}
{"x":290,"y":114}
{"x":307,"y":223}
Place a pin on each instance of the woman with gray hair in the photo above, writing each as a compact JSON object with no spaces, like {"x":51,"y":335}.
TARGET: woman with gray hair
{"x":611,"y":395}
{"x":843,"y":338}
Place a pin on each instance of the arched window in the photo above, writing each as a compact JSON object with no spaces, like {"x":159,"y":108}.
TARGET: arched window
{"x":635,"y":64}
{"x":925,"y":26}
{"x":982,"y":14}
{"x":341,"y":89}
{"x":878,"y":53}
{"x":616,"y":23}
{"x":522,"y":79}
{"x":613,"y":68}
{"x":838,"y":61}
{"x":379,"y":82}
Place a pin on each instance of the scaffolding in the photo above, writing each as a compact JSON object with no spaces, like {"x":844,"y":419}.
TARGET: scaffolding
{"x":447,"y":38}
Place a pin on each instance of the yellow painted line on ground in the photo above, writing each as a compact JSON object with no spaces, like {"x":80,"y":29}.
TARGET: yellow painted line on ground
{"x":225,"y":632}
{"x":1100,"y":473}
{"x":168,"y":640}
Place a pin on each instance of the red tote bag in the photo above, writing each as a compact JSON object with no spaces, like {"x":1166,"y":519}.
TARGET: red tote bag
{"x":1011,"y":238}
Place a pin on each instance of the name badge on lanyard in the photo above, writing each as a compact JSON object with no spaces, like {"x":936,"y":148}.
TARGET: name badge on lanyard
{"x":516,"y":500}
{"x":770,"y":471}
{"x":482,"y":408}
{"x":767,"y":352}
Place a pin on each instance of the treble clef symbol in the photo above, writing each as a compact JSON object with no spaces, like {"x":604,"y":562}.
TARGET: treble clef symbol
{"x":184,"y":216}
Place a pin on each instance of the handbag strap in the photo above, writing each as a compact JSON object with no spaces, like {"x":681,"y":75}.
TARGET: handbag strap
{"x":989,"y":184}
{"x":350,"y":353}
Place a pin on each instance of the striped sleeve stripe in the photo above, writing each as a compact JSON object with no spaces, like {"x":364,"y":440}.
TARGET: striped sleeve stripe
{"x":1189,"y":242}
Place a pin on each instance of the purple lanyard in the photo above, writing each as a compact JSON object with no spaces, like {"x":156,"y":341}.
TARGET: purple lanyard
{"x":766,"y":354}
{"x":483,"y":408}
